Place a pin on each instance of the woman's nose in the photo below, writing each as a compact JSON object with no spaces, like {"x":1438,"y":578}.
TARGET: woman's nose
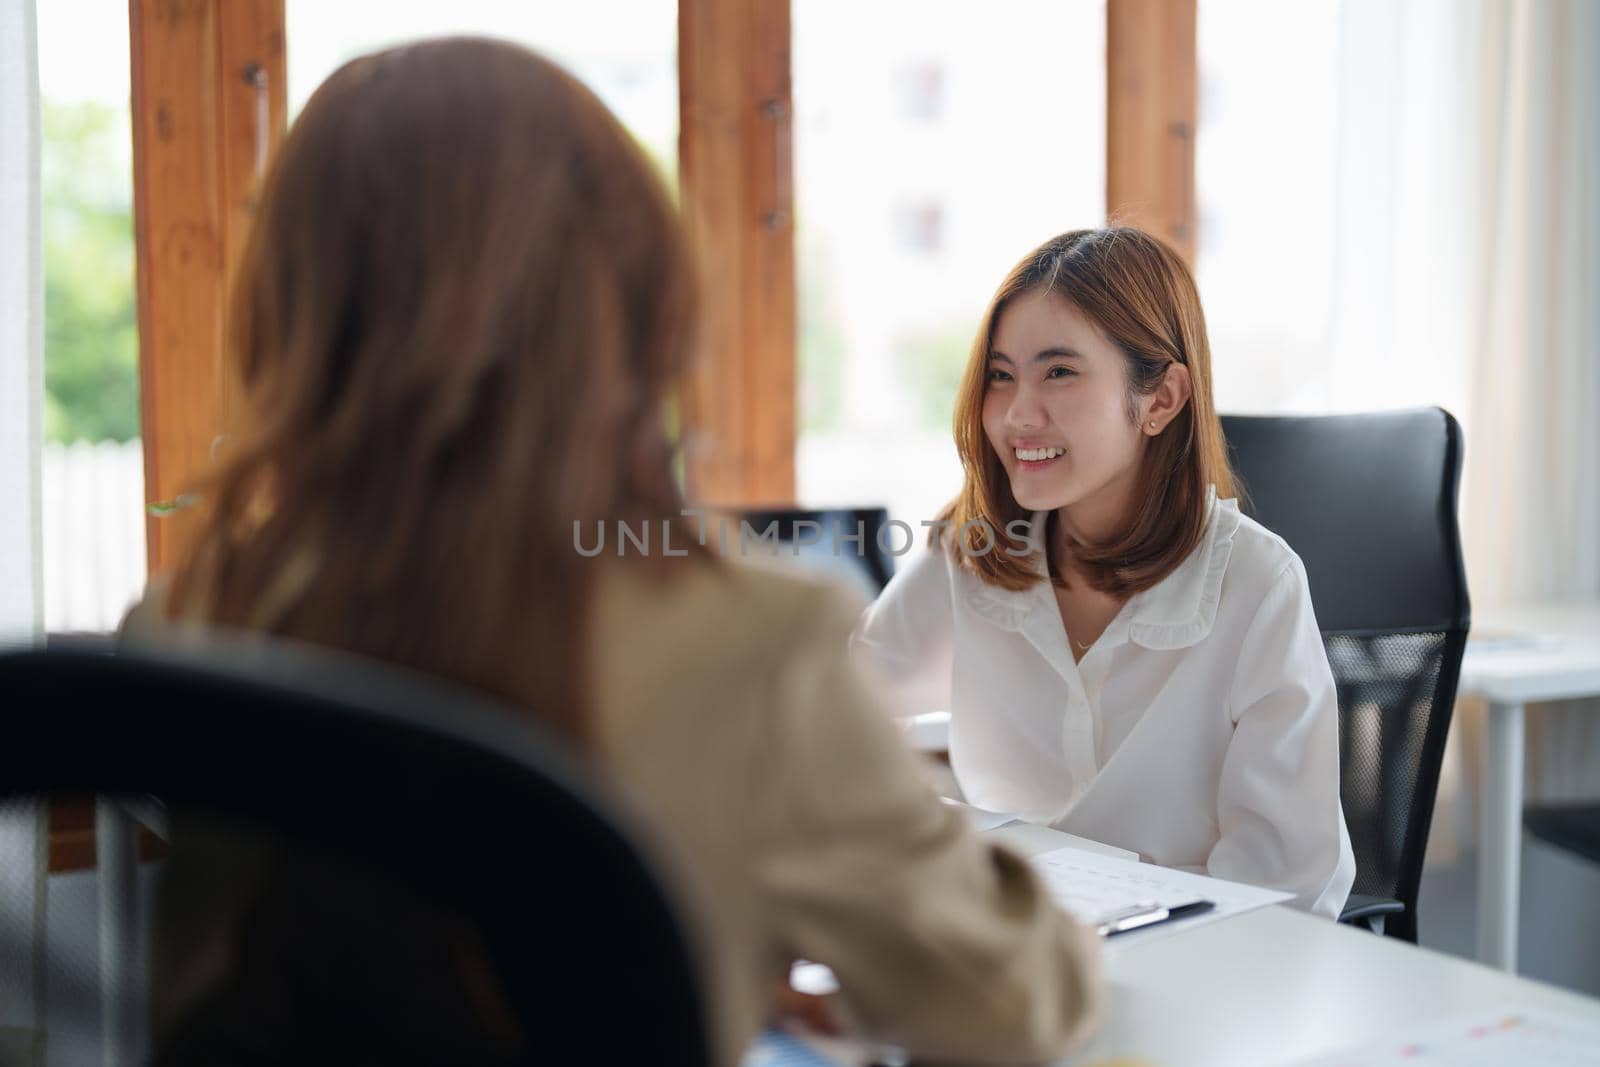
{"x":1025,"y":412}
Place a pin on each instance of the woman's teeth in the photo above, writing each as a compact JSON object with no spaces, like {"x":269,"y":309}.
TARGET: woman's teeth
{"x":1035,"y":454}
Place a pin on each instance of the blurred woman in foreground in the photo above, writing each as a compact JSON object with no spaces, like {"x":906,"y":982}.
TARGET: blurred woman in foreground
{"x":464,"y":302}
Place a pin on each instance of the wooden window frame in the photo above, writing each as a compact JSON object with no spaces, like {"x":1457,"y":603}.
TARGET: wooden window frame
{"x":735,"y":160}
{"x":195,"y":146}
{"x":1151,"y":89}
{"x":199,"y":69}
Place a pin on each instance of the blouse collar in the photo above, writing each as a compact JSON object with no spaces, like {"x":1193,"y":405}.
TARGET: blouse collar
{"x":1176,"y":612}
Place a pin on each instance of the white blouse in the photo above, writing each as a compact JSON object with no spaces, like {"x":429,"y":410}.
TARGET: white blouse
{"x":1200,"y":730}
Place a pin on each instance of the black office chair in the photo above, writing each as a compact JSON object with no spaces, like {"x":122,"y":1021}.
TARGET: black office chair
{"x":463,"y":809}
{"x":821,"y":545}
{"x":1369,"y":504}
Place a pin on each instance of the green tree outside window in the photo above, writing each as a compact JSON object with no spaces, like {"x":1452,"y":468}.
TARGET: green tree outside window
{"x":91,"y":335}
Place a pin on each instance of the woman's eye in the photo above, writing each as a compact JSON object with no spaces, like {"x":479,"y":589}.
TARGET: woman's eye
{"x":999,"y":376}
{"x":1060,"y":372}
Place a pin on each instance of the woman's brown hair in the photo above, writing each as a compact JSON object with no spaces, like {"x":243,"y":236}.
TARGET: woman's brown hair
{"x":463,"y":301}
{"x":1141,"y":296}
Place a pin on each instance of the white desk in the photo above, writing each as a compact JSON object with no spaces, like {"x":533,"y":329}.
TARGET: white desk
{"x":1277,"y":985}
{"x":1534,"y":653}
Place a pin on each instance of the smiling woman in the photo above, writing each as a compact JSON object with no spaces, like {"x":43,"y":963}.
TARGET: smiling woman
{"x":1033,"y":405}
{"x":1094,"y":344}
{"x":1141,"y":665}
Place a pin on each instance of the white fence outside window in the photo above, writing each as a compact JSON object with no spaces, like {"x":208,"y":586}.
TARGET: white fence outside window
{"x":94,"y":543}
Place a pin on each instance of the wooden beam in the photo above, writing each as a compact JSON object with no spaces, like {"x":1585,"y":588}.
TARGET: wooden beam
{"x":1151,"y":86}
{"x":252,"y":116}
{"x":196,"y":142}
{"x":736,"y":180}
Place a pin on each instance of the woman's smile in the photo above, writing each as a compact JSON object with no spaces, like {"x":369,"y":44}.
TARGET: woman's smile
{"x":1036,"y":458}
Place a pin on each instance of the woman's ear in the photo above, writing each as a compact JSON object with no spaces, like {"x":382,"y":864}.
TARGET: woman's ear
{"x":1163,"y":405}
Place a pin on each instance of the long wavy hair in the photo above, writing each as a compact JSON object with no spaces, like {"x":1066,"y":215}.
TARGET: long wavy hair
{"x":462,"y":305}
{"x":1140,"y":294}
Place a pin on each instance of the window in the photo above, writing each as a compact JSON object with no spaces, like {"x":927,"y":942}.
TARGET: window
{"x":919,"y":227}
{"x":920,"y":90}
{"x":93,"y":477}
{"x":935,"y":144}
{"x":625,"y":50}
{"x":1265,"y":158}
{"x":1330,"y":171}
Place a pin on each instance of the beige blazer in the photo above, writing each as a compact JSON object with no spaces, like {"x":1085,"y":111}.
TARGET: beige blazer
{"x":800,"y":826}
{"x":793,"y":823}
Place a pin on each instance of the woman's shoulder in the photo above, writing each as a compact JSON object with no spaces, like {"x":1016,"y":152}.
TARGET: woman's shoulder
{"x":720,"y":649}
{"x":752,"y":610}
{"x":1258,"y":553}
{"x":1263,"y":567}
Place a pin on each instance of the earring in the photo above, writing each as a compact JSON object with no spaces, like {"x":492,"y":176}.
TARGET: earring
{"x":1152,"y":424}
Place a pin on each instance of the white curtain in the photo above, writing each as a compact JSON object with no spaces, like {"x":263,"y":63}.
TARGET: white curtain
{"x":23,"y":835}
{"x":1467,"y":263}
{"x":1438,"y":162}
{"x":1467,"y":270}
{"x":1400,"y":205}
{"x":1532,"y":499}
{"x":1532,"y":506}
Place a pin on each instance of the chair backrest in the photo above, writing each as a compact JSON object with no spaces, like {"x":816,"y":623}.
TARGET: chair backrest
{"x":817,"y":537}
{"x":1369,"y":504}
{"x":446,"y":796}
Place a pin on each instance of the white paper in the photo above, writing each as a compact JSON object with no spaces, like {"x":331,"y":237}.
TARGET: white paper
{"x":1099,"y":848}
{"x":1483,"y":1039}
{"x":1090,"y":885}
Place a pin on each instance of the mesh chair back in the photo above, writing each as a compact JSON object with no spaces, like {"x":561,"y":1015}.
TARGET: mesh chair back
{"x":1369,"y":504}
{"x":458,"y":804}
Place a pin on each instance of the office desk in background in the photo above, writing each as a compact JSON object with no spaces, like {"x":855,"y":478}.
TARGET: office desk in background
{"x":1276,"y":985}
{"x":1516,"y":657}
